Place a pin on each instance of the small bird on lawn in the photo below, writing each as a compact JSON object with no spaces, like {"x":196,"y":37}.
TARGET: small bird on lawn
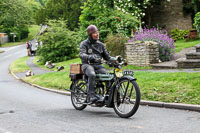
{"x":60,"y":68}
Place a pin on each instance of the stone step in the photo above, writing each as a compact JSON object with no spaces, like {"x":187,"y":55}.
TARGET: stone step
{"x":197,"y":48}
{"x":193,"y":55}
{"x":165,"y":65}
{"x":188,"y":63}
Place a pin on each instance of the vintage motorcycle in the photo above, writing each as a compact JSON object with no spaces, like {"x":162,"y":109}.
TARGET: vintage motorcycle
{"x":118,"y":89}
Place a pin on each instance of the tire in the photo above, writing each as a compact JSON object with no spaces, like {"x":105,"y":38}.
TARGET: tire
{"x":79,"y":94}
{"x":127,"y":107}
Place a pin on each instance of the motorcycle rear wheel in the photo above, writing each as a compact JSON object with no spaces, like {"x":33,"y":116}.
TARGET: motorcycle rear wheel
{"x":126,"y":98}
{"x":79,"y":94}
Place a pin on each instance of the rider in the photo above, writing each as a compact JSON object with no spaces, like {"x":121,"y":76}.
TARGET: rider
{"x":91,"y":53}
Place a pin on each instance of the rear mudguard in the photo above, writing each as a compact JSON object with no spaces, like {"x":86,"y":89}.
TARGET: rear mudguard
{"x":110,"y":100}
{"x":70,"y":89}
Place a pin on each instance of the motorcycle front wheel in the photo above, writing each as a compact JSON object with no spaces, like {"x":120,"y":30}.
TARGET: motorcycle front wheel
{"x":126,"y":98}
{"x":79,"y":94}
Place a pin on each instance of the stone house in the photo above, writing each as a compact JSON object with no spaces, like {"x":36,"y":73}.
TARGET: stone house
{"x":168,"y":15}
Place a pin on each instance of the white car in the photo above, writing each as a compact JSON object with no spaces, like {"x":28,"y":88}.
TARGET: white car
{"x":34,"y":46}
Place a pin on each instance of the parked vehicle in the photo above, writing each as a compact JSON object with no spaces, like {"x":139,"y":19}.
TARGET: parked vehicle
{"x":122,"y":94}
{"x":34,"y":46}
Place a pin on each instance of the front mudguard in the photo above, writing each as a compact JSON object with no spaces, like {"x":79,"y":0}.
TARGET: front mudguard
{"x":128,"y":77}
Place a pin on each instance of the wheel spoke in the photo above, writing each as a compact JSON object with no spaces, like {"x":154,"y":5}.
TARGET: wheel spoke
{"x":125,"y":92}
{"x":129,"y":101}
{"x":79,"y":95}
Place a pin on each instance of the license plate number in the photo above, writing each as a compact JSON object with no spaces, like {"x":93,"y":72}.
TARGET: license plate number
{"x":131,"y":73}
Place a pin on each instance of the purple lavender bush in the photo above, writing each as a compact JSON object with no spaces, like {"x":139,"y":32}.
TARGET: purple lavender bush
{"x":166,"y":44}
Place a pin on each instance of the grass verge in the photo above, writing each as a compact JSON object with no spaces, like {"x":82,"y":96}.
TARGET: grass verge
{"x":179,"y":87}
{"x":19,"y":65}
{"x":1,"y":51}
{"x":66,"y":64}
{"x":166,"y":87}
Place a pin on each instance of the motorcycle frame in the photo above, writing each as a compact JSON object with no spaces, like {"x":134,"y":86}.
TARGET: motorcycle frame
{"x":112,"y":87}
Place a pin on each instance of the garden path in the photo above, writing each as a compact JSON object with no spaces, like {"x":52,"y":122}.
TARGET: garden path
{"x":172,"y":64}
{"x":34,"y":68}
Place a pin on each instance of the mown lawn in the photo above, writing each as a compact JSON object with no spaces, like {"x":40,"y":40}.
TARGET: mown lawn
{"x":180,"y":87}
{"x":181,"y":44}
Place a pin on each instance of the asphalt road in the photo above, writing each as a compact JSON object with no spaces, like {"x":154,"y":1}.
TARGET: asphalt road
{"x":25,"y":109}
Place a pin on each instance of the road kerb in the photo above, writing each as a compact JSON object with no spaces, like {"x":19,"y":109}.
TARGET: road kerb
{"x":190,"y":107}
{"x":53,"y":90}
{"x":152,"y":103}
{"x":13,"y":74}
{"x":181,"y":106}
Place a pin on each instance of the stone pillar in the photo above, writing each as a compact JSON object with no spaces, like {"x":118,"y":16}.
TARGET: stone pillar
{"x":142,"y":53}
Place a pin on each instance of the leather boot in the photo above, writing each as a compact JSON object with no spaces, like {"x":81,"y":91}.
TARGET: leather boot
{"x":92,"y":98}
{"x":100,"y":98}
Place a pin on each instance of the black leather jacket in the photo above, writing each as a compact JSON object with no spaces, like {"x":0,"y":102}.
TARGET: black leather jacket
{"x":89,"y":47}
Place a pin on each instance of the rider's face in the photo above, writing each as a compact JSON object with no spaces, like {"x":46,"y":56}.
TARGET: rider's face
{"x":95,"y":35}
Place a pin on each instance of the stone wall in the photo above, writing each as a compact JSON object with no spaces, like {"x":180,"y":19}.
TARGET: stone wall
{"x":169,"y":15}
{"x":142,"y":53}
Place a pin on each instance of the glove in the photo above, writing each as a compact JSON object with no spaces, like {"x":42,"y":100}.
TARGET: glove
{"x":91,"y":58}
{"x":94,"y":58}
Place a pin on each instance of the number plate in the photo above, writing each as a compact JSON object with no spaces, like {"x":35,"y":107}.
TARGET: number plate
{"x":128,"y":72}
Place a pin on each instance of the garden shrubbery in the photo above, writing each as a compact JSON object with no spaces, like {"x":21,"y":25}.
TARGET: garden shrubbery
{"x":115,"y":45}
{"x":197,"y":22}
{"x":178,"y":34}
{"x":166,"y":44}
{"x":59,"y":43}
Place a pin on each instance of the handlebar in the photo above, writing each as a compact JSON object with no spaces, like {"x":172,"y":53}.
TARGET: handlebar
{"x":118,"y":61}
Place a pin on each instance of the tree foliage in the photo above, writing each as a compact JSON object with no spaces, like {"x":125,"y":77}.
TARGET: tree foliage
{"x":15,"y":17}
{"x":66,"y":9}
{"x":107,"y":18}
{"x":59,"y":43}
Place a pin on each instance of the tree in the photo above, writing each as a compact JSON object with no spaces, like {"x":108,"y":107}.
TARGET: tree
{"x":34,"y":7}
{"x":66,"y":9}
{"x":15,"y":17}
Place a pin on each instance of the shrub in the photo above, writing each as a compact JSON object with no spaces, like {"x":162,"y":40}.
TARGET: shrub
{"x":166,"y":44}
{"x":197,"y":22}
{"x":59,"y":43}
{"x":178,"y":34}
{"x":115,"y":45}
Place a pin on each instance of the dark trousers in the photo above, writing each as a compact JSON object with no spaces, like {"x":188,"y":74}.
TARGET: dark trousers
{"x":90,"y":71}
